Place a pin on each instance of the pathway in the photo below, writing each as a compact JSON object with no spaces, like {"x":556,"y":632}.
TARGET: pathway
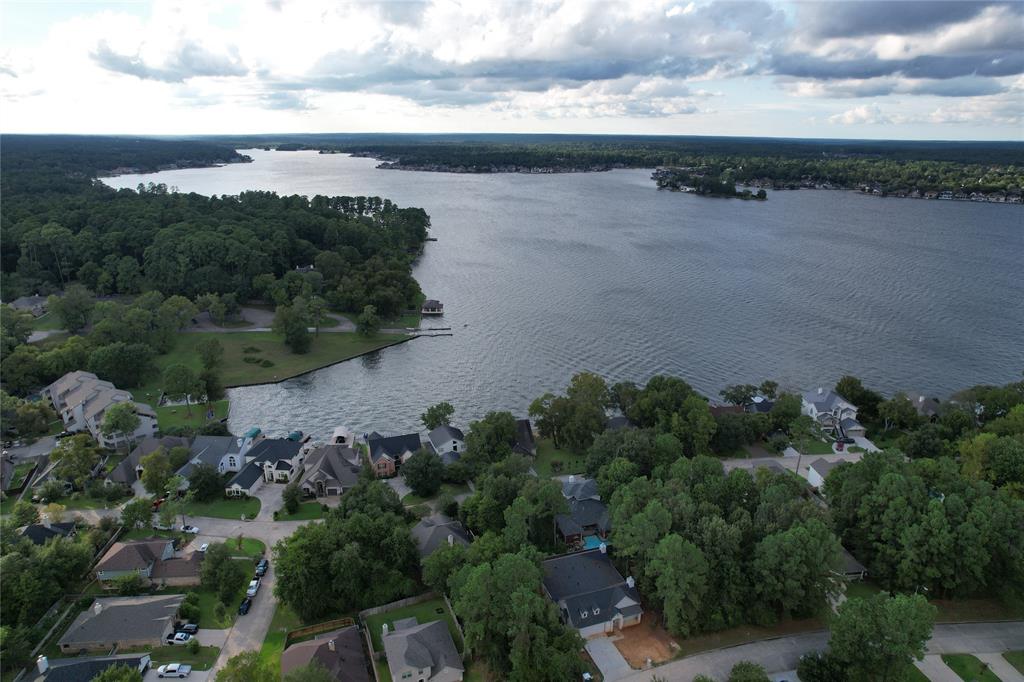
{"x":607,"y":659}
{"x":784,"y":653}
{"x":1001,"y":667}
{"x":263,"y":321}
{"x":936,"y":670}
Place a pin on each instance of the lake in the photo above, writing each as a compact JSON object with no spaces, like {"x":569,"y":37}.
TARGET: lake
{"x":546,"y":275}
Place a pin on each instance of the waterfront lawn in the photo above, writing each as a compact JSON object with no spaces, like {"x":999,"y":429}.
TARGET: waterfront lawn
{"x":425,"y":612}
{"x":203,"y":660}
{"x":225,"y":508}
{"x":306,"y":512}
{"x":49,"y":322}
{"x":1016,"y":659}
{"x":969,"y":668}
{"x":550,"y":461}
{"x":284,"y":621}
{"x":453,"y":489}
{"x":173,"y":416}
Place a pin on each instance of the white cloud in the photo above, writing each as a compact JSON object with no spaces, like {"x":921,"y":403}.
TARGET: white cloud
{"x":865,"y":114}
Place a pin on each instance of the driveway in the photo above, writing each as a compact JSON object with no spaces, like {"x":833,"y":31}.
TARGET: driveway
{"x":41,"y":447}
{"x":208,"y":637}
{"x":936,"y":670}
{"x":1001,"y":667}
{"x":863,"y":442}
{"x":784,"y":653}
{"x":608,"y":659}
{"x":397,"y":483}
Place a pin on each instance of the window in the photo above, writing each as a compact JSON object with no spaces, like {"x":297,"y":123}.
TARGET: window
{"x":231,"y":461}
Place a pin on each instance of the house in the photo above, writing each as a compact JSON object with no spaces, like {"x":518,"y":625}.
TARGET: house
{"x":927,"y":408}
{"x":30,"y":304}
{"x":81,"y":399}
{"x":448,"y":442}
{"x":832,"y":411}
{"x":852,"y":569}
{"x":330,"y":470}
{"x":434,"y":532}
{"x":387,"y":453}
{"x":223,"y":453}
{"x":270,"y":460}
{"x":340,"y":652}
{"x":759,"y":405}
{"x":591,"y":594}
{"x":123,"y":622}
{"x":85,"y":669}
{"x":153,"y":559}
{"x":40,"y":533}
{"x":818,"y":471}
{"x":618,"y":423}
{"x":588,"y":515}
{"x":525,"y":445}
{"x":422,"y":652}
{"x":432,"y":307}
{"x":129,"y":469}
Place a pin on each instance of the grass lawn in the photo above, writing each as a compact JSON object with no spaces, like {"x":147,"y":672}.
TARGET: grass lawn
{"x":973,"y":610}
{"x":969,"y":668}
{"x":885,"y":439}
{"x":208,"y":611}
{"x":251,"y":547}
{"x":327,"y":349}
{"x":225,"y":508}
{"x":284,"y":621}
{"x":47,"y":323}
{"x":203,"y":660}
{"x":171,"y":416}
{"x":746,"y":633}
{"x":813,"y":446}
{"x":383,"y":672}
{"x":1016,"y":659}
{"x":143,"y":533}
{"x":424,"y":613}
{"x":113,"y":461}
{"x":861,"y":589}
{"x":7,"y":505}
{"x":307,"y":511}
{"x":412,"y":499}
{"x":912,"y":674}
{"x":548,"y":454}
{"x":20,"y":472}
{"x":412,"y":320}
{"x":82,"y":501}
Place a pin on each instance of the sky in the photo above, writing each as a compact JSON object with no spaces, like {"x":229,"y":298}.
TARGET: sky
{"x":883,"y":70}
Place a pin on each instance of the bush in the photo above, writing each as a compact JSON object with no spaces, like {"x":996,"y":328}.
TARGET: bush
{"x":220,"y":612}
{"x":251,"y":349}
{"x":556,"y":465}
{"x":129,"y":585}
{"x":83,"y":603}
{"x":821,"y":667}
{"x":745,"y":671}
{"x":193,"y":646}
{"x":777,"y":442}
{"x":292,"y":497}
{"x":190,"y":608}
{"x":266,"y":363}
{"x":448,"y":506}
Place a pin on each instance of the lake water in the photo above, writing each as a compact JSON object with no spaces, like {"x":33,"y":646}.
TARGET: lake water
{"x":546,"y":275}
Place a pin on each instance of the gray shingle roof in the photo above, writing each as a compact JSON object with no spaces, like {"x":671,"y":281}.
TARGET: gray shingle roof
{"x":580,"y":489}
{"x":123,"y":618}
{"x":392,"y":446}
{"x":823,"y":466}
{"x":432,"y":532}
{"x":429,"y":646}
{"x":589,"y":580}
{"x":331,"y":464}
{"x":826,"y":401}
{"x":584,"y":514}
{"x":444,"y":433}
{"x":272,"y":450}
{"x":346,"y":663}
{"x":85,"y":669}
{"x":209,"y":450}
{"x":39,"y":534}
{"x":124,"y":472}
{"x":132,"y":555}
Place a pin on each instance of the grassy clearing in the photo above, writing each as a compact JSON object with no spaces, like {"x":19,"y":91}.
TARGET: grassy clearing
{"x":225,"y":508}
{"x":251,"y":547}
{"x":208,"y":611}
{"x":746,"y":633}
{"x":48,"y":322}
{"x":284,"y":621}
{"x":912,"y":674}
{"x":145,"y":533}
{"x":425,"y":612}
{"x":1016,"y":659}
{"x":171,"y":416}
{"x":306,"y":512}
{"x":551,"y":461}
{"x":459,"y":489}
{"x":203,"y":660}
{"x":21,"y":470}
{"x":973,"y":610}
{"x":969,"y":668}
{"x":862,"y":590}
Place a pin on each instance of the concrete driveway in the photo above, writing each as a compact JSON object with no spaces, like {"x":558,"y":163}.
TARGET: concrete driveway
{"x":397,"y":484}
{"x":196,"y":676}
{"x":608,"y":659}
{"x":935,"y":669}
{"x":1001,"y":667}
{"x":208,"y":637}
{"x":863,"y":442}
{"x":41,"y":447}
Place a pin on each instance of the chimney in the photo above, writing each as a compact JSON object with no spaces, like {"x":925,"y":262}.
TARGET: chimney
{"x":820,"y":390}
{"x":44,"y":664}
{"x":97,"y":607}
{"x":604,"y":548}
{"x":572,"y":479}
{"x":331,"y":646}
{"x":451,"y":539}
{"x":384,"y":629}
{"x":630,"y":582}
{"x":920,"y":398}
{"x":46,"y":521}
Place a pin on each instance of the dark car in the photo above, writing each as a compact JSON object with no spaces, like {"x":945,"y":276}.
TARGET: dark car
{"x":261,"y":567}
{"x":847,"y":440}
{"x":243,"y":608}
{"x":190,"y":628}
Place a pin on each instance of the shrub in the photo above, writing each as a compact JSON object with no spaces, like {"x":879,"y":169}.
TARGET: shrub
{"x":777,"y":442}
{"x":193,"y":646}
{"x":250,"y":349}
{"x":556,"y":465}
{"x":821,"y":667}
{"x":292,"y":496}
{"x":266,"y":363}
{"x":129,"y":585}
{"x":220,"y":612}
{"x":448,"y":506}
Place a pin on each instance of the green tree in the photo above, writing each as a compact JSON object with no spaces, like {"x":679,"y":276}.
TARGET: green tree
{"x":898,"y":412}
{"x":156,"y":472}
{"x":317,"y":312}
{"x":221,"y":574}
{"x":423,"y":472}
{"x":437,"y":415}
{"x":246,"y":667}
{"x":314,"y":672}
{"x":368,"y":323}
{"x":490,"y":439}
{"x":180,"y":383}
{"x":129,"y":585}
{"x":678,"y":572}
{"x":119,"y":673}
{"x":24,"y":513}
{"x":75,"y":458}
{"x":205,"y":483}
{"x":769,"y":389}
{"x":614,"y":475}
{"x":122,"y":364}
{"x":176,"y":313}
{"x":15,"y":647}
{"x":138,"y":513}
{"x":745,"y":671}
{"x":879,"y":637}
{"x":15,"y":328}
{"x":694,"y":426}
{"x":292,"y":496}
{"x":738,"y":394}
{"x":795,"y":570}
{"x":439,"y":567}
{"x":73,"y":308}
{"x":786,"y":408}
{"x":291,"y":323}
{"x":211,"y":352}
{"x":121,"y":419}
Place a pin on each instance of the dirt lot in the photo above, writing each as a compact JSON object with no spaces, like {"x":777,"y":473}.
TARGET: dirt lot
{"x":647,"y":640}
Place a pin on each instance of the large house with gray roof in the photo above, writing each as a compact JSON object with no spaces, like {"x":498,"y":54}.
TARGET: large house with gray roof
{"x":447,"y":442}
{"x":588,"y":515}
{"x":591,"y":594}
{"x":123,"y":622}
{"x":422,"y":652}
{"x":82,"y":399}
{"x":129,"y":470}
{"x":340,"y":652}
{"x":832,"y":412}
{"x":437,"y":531}
{"x":330,"y":470}
{"x":269,"y":460}
{"x":387,"y":453}
{"x":154,"y":560}
{"x":85,"y":669}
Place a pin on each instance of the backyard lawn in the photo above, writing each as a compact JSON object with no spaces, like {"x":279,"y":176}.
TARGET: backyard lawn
{"x":284,"y":621}
{"x":225,"y":508}
{"x":551,"y":461}
{"x":46,"y":323}
{"x":425,"y":612}
{"x":307,"y":511}
{"x":412,"y":499}
{"x":83,"y":501}
{"x":1016,"y":659}
{"x":171,"y":416}
{"x":969,"y":668}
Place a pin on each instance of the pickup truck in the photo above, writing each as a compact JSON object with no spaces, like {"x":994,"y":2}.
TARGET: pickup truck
{"x":174,"y":670}
{"x":179,"y":638}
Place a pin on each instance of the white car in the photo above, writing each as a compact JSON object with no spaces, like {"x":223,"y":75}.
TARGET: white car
{"x":191,"y":530}
{"x":203,"y":547}
{"x":174,"y":670}
{"x":179,"y":638}
{"x":254,"y":587}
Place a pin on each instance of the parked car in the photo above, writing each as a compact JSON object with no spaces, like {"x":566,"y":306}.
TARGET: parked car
{"x":847,"y":440}
{"x":254,"y":587}
{"x":179,"y":638}
{"x":191,"y":530}
{"x":188,"y":628}
{"x":174,"y":670}
{"x":63,"y":434}
{"x":243,"y":608}
{"x":160,"y":526}
{"x":261,"y":567}
{"x":840,"y":446}
{"x":203,"y":547}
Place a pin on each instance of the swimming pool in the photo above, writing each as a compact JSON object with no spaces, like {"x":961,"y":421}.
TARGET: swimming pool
{"x":592,"y":542}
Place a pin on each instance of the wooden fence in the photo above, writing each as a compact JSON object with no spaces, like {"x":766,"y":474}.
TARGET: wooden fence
{"x":326,"y":626}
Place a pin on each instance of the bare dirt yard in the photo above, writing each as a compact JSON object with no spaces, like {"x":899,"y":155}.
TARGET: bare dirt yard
{"x":646,"y":641}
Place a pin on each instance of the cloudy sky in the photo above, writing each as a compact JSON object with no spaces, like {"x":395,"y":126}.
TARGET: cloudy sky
{"x":907,"y":70}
